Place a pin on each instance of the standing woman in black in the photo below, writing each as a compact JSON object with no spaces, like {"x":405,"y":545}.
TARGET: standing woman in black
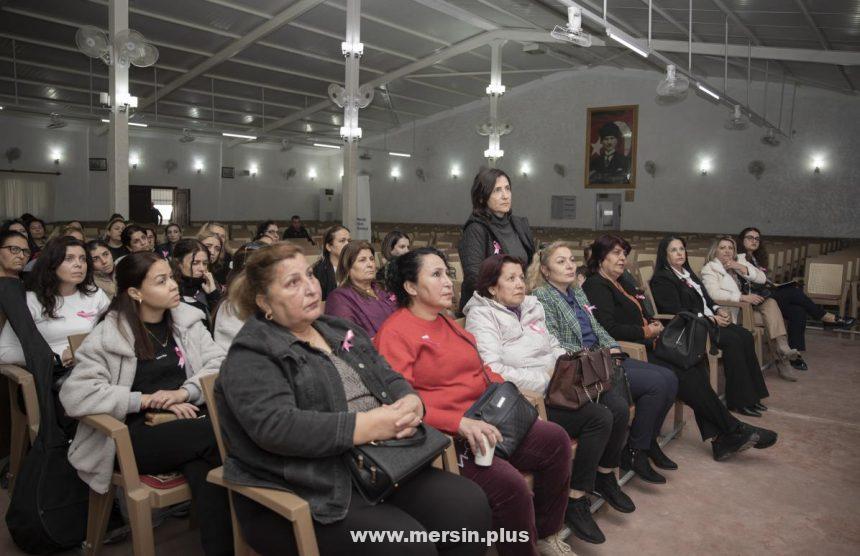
{"x":325,"y":269}
{"x":677,"y":288}
{"x":491,"y":228}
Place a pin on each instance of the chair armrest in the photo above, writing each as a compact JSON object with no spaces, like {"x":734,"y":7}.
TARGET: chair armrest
{"x":16,"y":374}
{"x":118,"y":431}
{"x":27,"y":384}
{"x":284,"y":503}
{"x":663,"y":316}
{"x":747,"y":319}
{"x":105,"y":424}
{"x":634,"y":350}
{"x":536,"y":400}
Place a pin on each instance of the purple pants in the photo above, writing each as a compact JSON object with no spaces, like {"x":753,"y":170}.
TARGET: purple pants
{"x":545,"y":453}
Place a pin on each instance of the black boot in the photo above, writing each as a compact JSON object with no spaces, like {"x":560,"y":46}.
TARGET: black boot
{"x":660,"y":459}
{"x":606,"y":486}
{"x":581,"y":522}
{"x":729,"y":444}
{"x":642,"y":468}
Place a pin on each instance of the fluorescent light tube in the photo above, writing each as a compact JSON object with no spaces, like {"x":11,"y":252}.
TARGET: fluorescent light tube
{"x":404,"y":155}
{"x":135,"y":124}
{"x":105,"y":121}
{"x":326,"y":146}
{"x":239,"y":135}
{"x":707,"y":91}
{"x":626,"y":41}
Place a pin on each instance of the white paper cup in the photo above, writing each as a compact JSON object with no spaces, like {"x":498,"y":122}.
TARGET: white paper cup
{"x":486,"y":459}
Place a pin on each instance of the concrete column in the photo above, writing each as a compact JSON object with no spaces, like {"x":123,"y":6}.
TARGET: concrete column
{"x":118,"y":139}
{"x":351,"y":132}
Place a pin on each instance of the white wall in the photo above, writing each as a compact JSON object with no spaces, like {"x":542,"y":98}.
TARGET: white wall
{"x":549,"y":118}
{"x":81,"y":194}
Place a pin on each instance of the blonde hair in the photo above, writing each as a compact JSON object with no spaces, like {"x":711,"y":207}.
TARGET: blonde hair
{"x":208,"y":234}
{"x":207,"y":228}
{"x":712,"y":252}
{"x":534,"y":276}
{"x":258,"y":274}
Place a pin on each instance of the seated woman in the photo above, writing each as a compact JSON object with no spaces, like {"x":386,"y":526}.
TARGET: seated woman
{"x":113,"y":237}
{"x":325,"y":269}
{"x":513,"y":339}
{"x":223,"y":233}
{"x":172,"y":235}
{"x":793,"y":303}
{"x":14,"y":253}
{"x":147,"y":355}
{"x":440,"y":360}
{"x":725,"y":278}
{"x":571,"y":319}
{"x":394,"y":244}
{"x":677,"y":288}
{"x":150,"y":239}
{"x":196,"y":285}
{"x":360,"y":298}
{"x":36,"y":227}
{"x":103,"y":267}
{"x":62,"y":298}
{"x":315,"y":394}
{"x":134,"y":239}
{"x":213,"y":246}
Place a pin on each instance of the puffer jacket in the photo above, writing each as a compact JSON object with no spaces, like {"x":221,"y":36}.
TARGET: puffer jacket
{"x":101,"y":383}
{"x":479,"y":242}
{"x":284,"y":412}
{"x":520,"y":348}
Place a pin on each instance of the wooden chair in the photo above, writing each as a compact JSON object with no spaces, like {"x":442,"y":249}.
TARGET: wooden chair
{"x":286,"y":504}
{"x":24,"y":420}
{"x":75,"y":342}
{"x":824,"y":283}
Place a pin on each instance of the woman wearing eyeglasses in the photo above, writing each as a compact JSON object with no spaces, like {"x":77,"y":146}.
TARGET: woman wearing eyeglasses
{"x":14,"y":253}
{"x":793,"y":303}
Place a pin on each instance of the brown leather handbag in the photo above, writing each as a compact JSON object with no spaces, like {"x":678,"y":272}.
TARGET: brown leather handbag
{"x":580,"y":378}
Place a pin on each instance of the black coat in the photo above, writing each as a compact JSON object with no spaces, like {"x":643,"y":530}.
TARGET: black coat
{"x":616,"y":313}
{"x":325,"y":273}
{"x":284,"y":412}
{"x":672,"y":295}
{"x":477,"y":244}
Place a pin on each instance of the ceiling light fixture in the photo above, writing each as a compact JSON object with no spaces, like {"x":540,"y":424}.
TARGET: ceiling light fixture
{"x":326,"y":146}
{"x":135,"y":124}
{"x":707,"y":91}
{"x":627,"y":41}
{"x":404,"y":155}
{"x":239,"y":136}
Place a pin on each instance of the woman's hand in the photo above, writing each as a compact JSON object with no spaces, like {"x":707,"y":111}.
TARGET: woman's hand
{"x":472,"y":430}
{"x":184,"y":410}
{"x":752,"y":298}
{"x":209,"y":284}
{"x":164,"y":399}
{"x":384,"y":423}
{"x":722,"y":320}
{"x":653,"y":329}
{"x":66,"y":359}
{"x":737,"y":267}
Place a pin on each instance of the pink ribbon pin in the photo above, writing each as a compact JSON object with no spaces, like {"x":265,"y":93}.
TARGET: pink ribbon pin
{"x":496,"y":248}
{"x":534,"y":326}
{"x":180,"y":355}
{"x":392,"y":297}
{"x":87,"y":315}
{"x":640,"y":296}
{"x":347,"y":341}
{"x":590,"y":308}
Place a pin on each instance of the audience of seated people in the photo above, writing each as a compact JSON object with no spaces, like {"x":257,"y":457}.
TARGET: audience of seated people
{"x":325,"y":269}
{"x":146,"y":356}
{"x":197,"y":286}
{"x":726,"y":279}
{"x":794,"y":304}
{"x":492,"y":228}
{"x":296,"y":231}
{"x":677,"y":288}
{"x":360,"y":298}
{"x":296,"y":393}
{"x":394,"y":244}
{"x":172,"y":235}
{"x":441,"y":361}
{"x":288,"y":428}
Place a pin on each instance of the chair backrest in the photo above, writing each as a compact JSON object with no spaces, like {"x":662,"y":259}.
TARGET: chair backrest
{"x":824,"y":278}
{"x":696,"y":263}
{"x":75,"y":342}
{"x":208,"y":384}
{"x":646,"y":271}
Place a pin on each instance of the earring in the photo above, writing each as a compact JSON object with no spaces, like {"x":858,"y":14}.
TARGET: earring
{"x":269,"y":315}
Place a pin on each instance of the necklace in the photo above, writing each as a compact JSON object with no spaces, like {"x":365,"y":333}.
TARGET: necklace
{"x":159,"y":342}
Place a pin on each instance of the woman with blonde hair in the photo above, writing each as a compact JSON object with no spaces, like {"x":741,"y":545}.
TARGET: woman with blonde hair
{"x":223,"y":233}
{"x":215,"y":247}
{"x":726,"y":279}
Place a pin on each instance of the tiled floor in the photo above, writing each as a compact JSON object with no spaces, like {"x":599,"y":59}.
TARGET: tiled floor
{"x":798,"y":497}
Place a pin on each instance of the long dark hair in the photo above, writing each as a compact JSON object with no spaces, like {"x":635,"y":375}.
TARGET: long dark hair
{"x":328,"y":238}
{"x":185,"y":247}
{"x":43,"y":280}
{"x":760,"y":254}
{"x":130,"y":273}
{"x":405,"y":268}
{"x":172,"y":225}
{"x":390,"y":240}
{"x":482,"y":187}
{"x":662,"y":260}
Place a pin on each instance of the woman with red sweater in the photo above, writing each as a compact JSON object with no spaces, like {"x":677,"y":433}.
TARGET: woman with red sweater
{"x":441,"y":362}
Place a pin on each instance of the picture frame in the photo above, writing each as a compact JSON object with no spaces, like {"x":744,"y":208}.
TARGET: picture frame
{"x":611,"y":140}
{"x":98,"y":165}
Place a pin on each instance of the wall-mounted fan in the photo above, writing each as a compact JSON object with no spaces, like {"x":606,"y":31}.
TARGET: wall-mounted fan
{"x":57,"y":122}
{"x":13,"y":154}
{"x":489,"y":127}
{"x":674,"y":88}
{"x":170,"y":165}
{"x":286,"y":145}
{"x":738,"y":121}
{"x":572,"y":32}
{"x":186,"y":137}
{"x":127,"y":48}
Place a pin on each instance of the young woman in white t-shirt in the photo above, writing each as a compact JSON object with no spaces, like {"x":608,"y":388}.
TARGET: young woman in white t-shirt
{"x":62,"y":298}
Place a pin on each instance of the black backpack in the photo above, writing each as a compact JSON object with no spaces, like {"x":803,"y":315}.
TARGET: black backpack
{"x":48,"y":510}
{"x":684,"y":339}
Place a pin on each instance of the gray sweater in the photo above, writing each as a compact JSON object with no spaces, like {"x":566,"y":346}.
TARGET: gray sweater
{"x":101,"y":383}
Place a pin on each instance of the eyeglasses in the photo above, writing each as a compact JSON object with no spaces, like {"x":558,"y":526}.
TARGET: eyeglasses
{"x":15,"y":250}
{"x":753,"y":238}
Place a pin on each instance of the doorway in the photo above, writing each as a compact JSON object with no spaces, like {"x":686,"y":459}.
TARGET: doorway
{"x":607,"y":215}
{"x":173,"y":204}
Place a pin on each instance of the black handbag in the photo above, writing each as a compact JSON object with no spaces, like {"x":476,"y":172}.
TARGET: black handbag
{"x":620,"y":383}
{"x":684,"y":339}
{"x":378,"y":468}
{"x":504,"y":406}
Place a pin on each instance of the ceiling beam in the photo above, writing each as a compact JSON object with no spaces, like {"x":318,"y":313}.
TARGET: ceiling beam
{"x":292,"y":12}
{"x":822,"y":40}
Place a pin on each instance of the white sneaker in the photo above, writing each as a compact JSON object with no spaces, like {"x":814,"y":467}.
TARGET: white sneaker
{"x":553,"y":545}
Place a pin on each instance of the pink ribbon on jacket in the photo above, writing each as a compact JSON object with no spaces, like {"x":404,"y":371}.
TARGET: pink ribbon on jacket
{"x":534,"y":326}
{"x":180,"y":355}
{"x":496,"y":248}
{"x":347,"y":341}
{"x":589,"y":308}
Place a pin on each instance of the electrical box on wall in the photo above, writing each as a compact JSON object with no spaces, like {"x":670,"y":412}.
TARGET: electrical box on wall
{"x":563,"y":207}
{"x":329,"y":206}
